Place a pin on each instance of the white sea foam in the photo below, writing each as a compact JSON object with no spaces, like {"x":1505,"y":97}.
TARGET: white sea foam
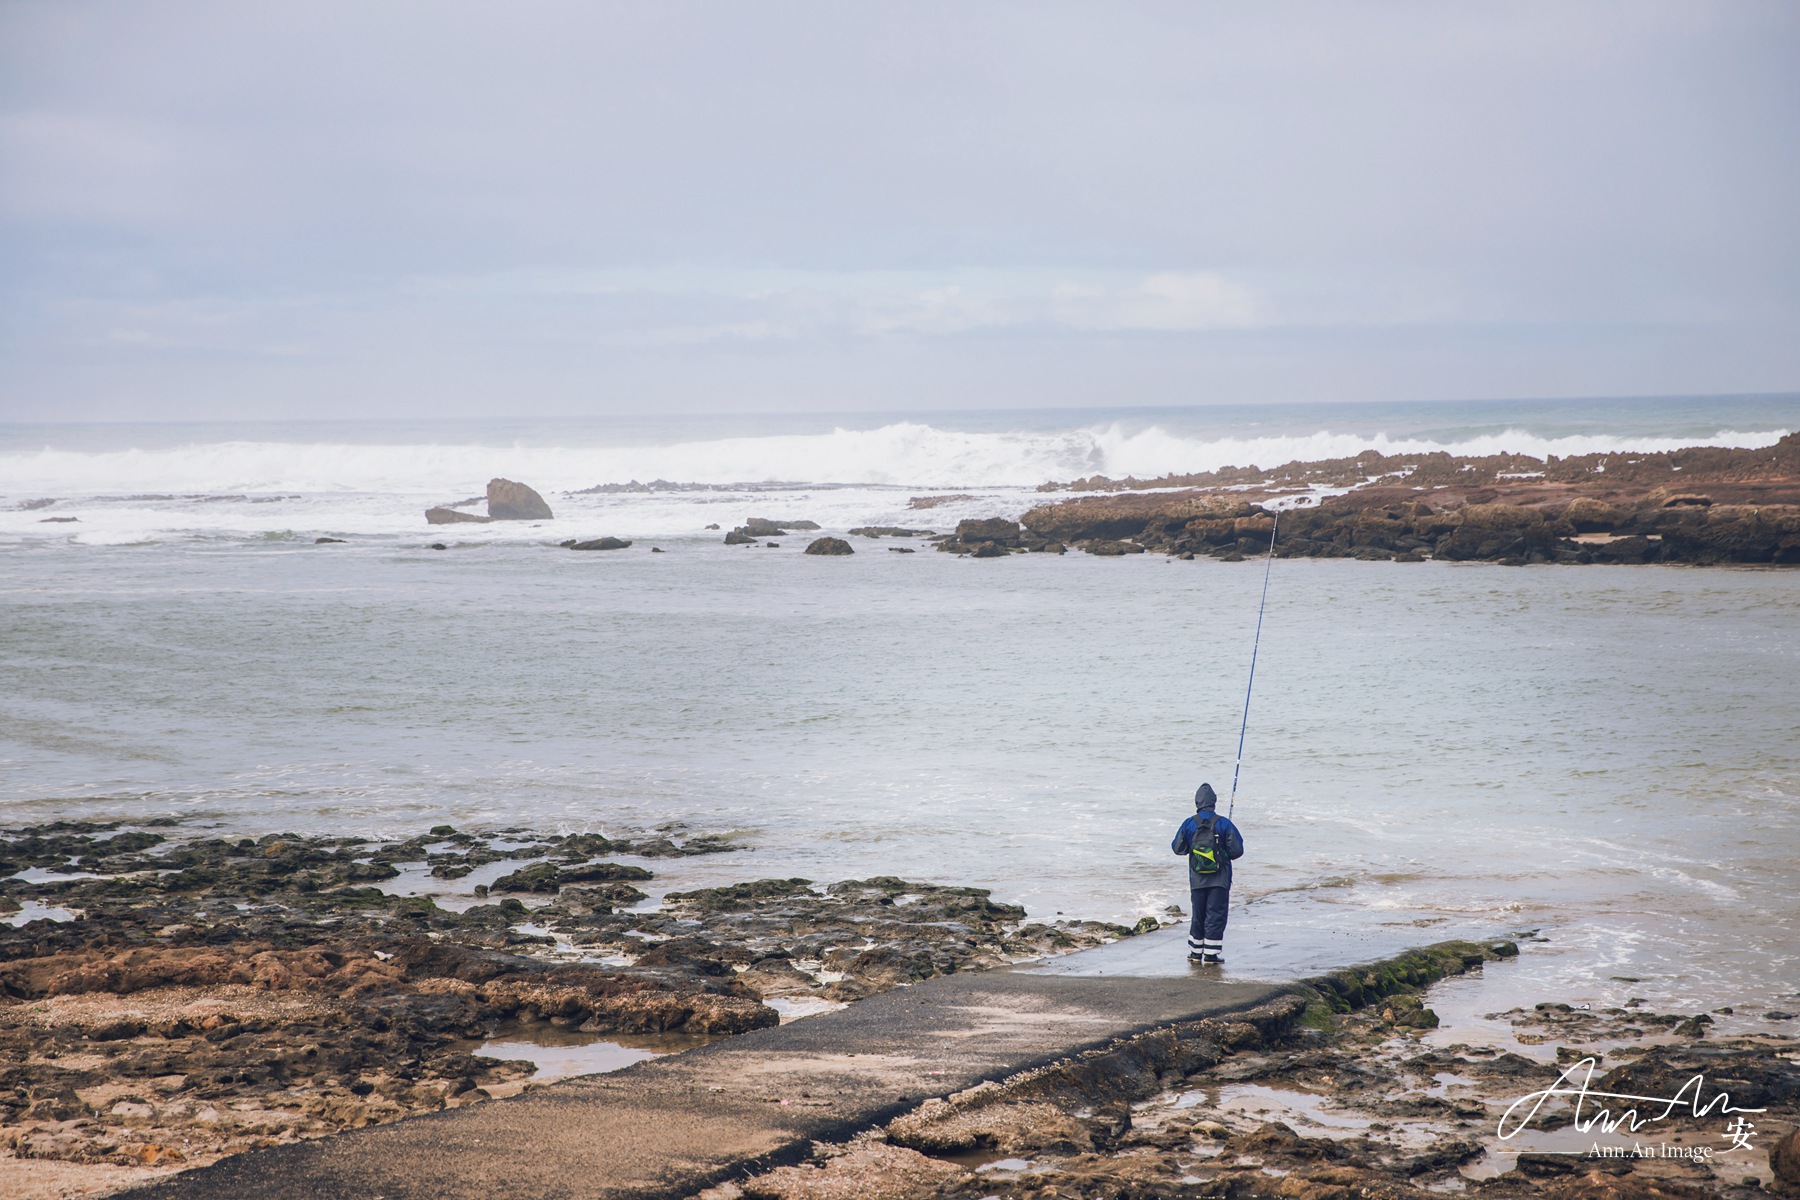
{"x":904,"y":454}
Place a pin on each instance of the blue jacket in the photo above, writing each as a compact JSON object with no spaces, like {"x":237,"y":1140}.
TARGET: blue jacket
{"x":1229,"y":840}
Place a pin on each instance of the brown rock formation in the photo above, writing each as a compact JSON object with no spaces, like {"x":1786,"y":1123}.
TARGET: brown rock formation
{"x":1731,"y":506}
{"x":450,"y":516}
{"x":762,"y":527}
{"x":509,"y":501}
{"x":998,"y":530}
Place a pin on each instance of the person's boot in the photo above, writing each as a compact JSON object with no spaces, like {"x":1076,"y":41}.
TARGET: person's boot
{"x":1212,"y":953}
{"x":1196,"y":951}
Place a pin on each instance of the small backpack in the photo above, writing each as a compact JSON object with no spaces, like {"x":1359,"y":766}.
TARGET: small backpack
{"x":1204,"y":857}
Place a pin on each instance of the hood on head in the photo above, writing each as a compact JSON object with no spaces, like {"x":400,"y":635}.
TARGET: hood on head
{"x":1205,"y":800}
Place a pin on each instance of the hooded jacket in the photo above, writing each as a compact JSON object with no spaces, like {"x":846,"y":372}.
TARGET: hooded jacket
{"x":1228,"y":839}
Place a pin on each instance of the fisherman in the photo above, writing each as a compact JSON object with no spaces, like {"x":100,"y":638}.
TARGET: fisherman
{"x":1209,"y":842}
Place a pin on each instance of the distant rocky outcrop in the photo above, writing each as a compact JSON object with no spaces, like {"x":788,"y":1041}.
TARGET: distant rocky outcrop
{"x":506,"y":501}
{"x":1702,"y":505}
{"x":510,"y":501}
{"x":875,"y":531}
{"x":757,"y":528}
{"x":763,"y":527}
{"x":605,"y":543}
{"x":830,"y":545}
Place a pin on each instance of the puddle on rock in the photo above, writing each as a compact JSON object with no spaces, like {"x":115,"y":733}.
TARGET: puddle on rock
{"x":792,"y":1008}
{"x":562,"y":1053}
{"x":988,"y":1161}
{"x":1012,"y":1166}
{"x":37,"y":910}
{"x":1290,"y":1106}
{"x":456,"y":895}
{"x":51,"y":875}
{"x":1305,"y":1112}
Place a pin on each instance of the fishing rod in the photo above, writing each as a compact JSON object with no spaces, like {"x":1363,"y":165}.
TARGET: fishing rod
{"x":1254,"y":647}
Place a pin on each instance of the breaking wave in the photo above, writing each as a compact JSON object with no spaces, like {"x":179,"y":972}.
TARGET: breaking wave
{"x":902,"y":454}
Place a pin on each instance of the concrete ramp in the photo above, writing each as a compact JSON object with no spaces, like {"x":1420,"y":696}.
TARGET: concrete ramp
{"x":671,"y":1126}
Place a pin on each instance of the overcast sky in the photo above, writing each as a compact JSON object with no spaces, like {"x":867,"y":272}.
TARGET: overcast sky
{"x":471,"y":208}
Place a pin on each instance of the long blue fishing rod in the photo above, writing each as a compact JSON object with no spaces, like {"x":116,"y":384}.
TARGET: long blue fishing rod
{"x":1254,"y":647}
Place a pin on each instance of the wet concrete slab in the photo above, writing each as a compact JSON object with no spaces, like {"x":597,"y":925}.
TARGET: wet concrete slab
{"x":1256,"y":950}
{"x":671,"y":1126}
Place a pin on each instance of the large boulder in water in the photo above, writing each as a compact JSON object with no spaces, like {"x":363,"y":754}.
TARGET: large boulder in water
{"x":509,"y":501}
{"x":830,"y":545}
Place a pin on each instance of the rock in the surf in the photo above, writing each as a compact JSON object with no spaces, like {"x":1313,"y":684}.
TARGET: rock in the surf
{"x":605,"y":543}
{"x":998,"y":530}
{"x":510,"y":501}
{"x":762,"y":527}
{"x":450,"y":516}
{"x":830,"y":545}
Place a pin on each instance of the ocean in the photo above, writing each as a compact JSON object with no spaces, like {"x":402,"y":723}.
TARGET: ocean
{"x":1607,"y":755}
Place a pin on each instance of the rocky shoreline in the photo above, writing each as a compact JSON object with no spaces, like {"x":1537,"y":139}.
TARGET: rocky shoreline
{"x":1701,"y":506}
{"x":169,"y":997}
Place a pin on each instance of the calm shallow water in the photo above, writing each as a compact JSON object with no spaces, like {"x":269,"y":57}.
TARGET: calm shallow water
{"x":1606,"y":753}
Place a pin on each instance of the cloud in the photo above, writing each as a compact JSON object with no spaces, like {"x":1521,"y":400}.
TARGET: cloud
{"x":686,"y":306}
{"x":581,"y":193}
{"x":1177,"y":301}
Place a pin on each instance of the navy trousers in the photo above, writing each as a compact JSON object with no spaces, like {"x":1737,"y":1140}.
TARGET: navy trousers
{"x":1206,"y":931}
